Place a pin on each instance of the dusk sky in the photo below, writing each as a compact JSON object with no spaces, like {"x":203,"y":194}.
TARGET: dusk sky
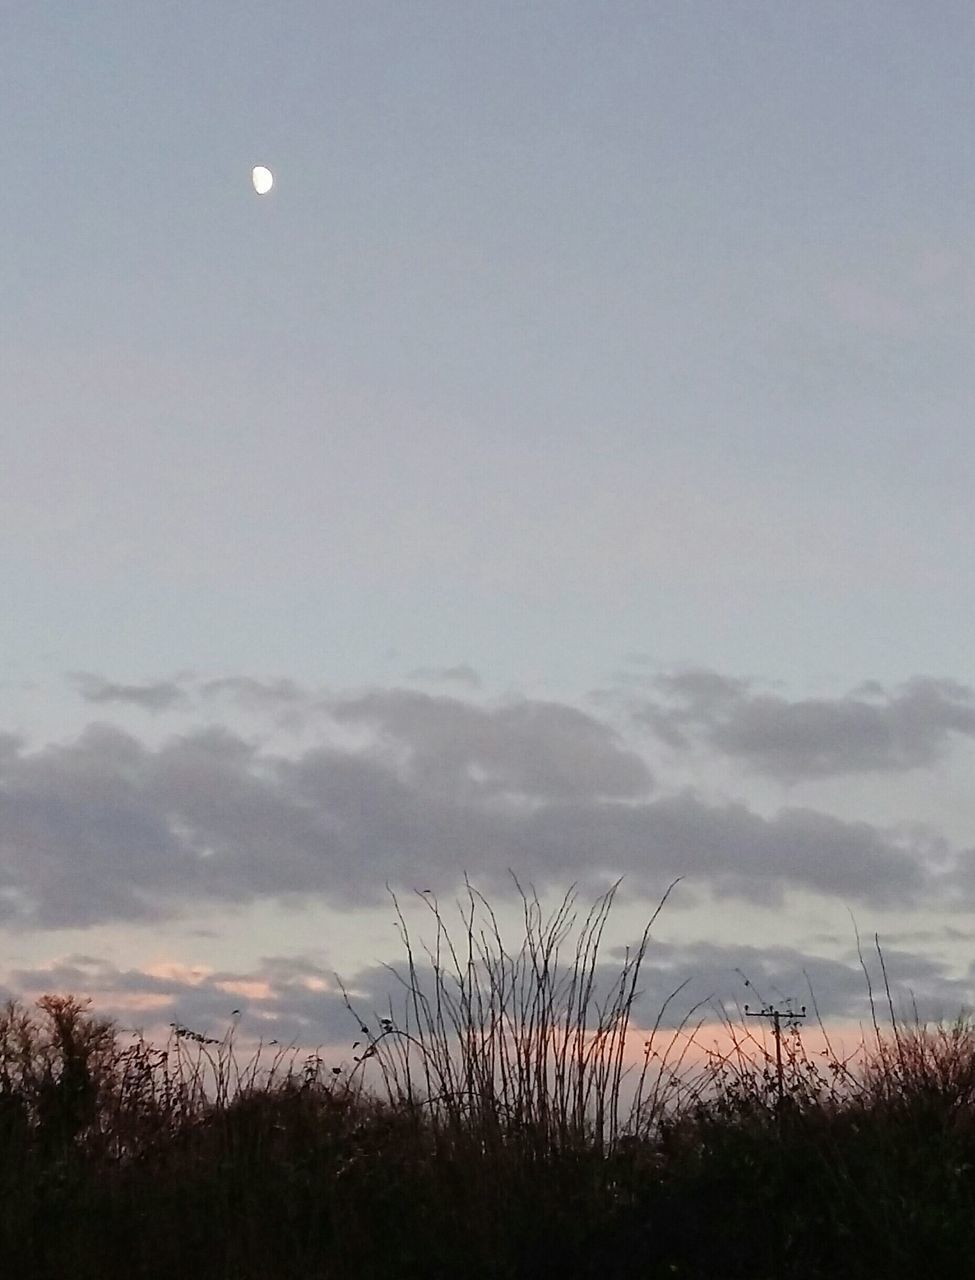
{"x":565,"y":469}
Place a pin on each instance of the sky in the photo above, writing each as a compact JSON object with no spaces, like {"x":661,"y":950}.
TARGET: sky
{"x":564,"y":473}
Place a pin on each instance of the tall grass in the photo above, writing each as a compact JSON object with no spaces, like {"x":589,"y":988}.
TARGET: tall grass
{"x":522,"y":1046}
{"x":495,"y":1120}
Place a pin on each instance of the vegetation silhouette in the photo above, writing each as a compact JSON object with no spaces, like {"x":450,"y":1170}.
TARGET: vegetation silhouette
{"x":493,"y":1125}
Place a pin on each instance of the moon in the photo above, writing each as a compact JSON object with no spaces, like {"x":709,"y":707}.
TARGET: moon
{"x":263,"y":179}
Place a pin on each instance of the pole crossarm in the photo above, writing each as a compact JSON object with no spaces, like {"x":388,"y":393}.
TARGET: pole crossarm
{"x":776,"y":1016}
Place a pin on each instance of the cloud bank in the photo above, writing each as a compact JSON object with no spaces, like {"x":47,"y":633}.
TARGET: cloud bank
{"x":298,"y":999}
{"x":870,"y":729}
{"x":414,"y":789}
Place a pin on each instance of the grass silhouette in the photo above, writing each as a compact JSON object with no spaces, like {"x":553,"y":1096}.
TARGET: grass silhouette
{"x":489,"y":1125}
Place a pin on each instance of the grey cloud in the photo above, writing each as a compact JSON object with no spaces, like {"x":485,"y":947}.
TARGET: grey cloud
{"x":868,"y":729}
{"x":946,"y":933}
{"x":106,"y":828}
{"x":302,"y":1002}
{"x":730,"y":977}
{"x":711,"y":982}
{"x":80,"y":838}
{"x":543,"y":750}
{"x":157,"y":696}
{"x":461,"y":674}
{"x":960,"y":878}
{"x":692,"y":699}
{"x":295,"y":999}
{"x":737,"y":851}
{"x":261,"y":694}
{"x":701,"y":688}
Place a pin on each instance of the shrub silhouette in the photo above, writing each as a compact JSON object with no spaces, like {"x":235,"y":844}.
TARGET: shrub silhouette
{"x":483,"y":1130}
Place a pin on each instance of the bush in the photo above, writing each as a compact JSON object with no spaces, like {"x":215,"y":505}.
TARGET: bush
{"x":483,"y":1130}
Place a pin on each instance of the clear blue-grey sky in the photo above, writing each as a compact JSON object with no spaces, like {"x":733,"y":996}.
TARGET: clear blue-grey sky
{"x":566,"y":467}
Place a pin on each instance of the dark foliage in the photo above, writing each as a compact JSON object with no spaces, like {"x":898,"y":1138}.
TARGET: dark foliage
{"x":482,"y":1134}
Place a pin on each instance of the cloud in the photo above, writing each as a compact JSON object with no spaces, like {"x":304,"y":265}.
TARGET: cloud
{"x":870,"y":729}
{"x":257,"y":694}
{"x":106,"y":828}
{"x":461,"y":674}
{"x":287,"y":999}
{"x":543,"y":750}
{"x":160,"y":695}
{"x":298,"y":999}
{"x":730,"y":977}
{"x":737,"y":851}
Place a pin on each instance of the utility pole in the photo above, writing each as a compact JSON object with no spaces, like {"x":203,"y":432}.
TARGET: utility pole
{"x":776,"y":1016}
